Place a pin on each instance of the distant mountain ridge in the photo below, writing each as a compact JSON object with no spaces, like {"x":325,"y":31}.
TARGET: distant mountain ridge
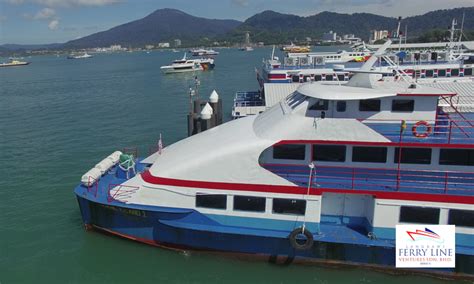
{"x":161,"y":25}
{"x":274,"y":27}
{"x":268,"y":26}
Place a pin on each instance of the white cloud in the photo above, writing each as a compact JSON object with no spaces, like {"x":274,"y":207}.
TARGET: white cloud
{"x":44,"y":14}
{"x":241,"y":3}
{"x":53,"y":25}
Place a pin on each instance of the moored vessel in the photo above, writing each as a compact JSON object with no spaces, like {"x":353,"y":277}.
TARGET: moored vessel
{"x":14,"y":63}
{"x":324,"y":175}
{"x":188,"y":65}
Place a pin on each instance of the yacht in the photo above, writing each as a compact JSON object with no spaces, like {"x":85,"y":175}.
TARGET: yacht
{"x":204,"y":52}
{"x":188,"y":65}
{"x":82,"y":56}
{"x":324,"y":176}
{"x":14,"y":63}
{"x":293,"y":48}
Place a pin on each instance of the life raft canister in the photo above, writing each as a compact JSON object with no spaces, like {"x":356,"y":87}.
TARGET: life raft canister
{"x":417,"y":134}
{"x":301,"y":243}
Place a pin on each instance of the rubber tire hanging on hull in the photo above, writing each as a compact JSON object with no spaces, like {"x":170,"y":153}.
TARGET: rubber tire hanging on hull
{"x":309,"y":239}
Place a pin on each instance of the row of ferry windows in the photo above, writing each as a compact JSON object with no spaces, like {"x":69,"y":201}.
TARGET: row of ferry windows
{"x":252,"y":204}
{"x":337,"y":153}
{"x":443,"y":72}
{"x":367,"y":105}
{"x":424,"y":215}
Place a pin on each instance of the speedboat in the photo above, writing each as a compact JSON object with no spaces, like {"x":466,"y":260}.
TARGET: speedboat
{"x":188,"y":65}
{"x":324,"y":176}
{"x":82,"y":56}
{"x":293,"y":48}
{"x":204,"y":52}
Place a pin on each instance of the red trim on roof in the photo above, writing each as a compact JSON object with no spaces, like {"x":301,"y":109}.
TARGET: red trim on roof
{"x":425,"y":95}
{"x":445,"y":198}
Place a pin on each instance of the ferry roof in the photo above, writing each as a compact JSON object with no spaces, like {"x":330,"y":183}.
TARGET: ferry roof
{"x":378,"y":90}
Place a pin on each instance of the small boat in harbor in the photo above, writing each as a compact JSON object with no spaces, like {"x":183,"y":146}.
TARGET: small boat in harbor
{"x":204,"y":52}
{"x":188,"y":65}
{"x":14,"y":63}
{"x":82,"y":56}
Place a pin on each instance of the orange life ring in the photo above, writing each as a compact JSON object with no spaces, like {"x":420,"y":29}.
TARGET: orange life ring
{"x":421,"y":135}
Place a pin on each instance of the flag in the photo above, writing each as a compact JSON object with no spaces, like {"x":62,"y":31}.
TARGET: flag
{"x":160,"y":145}
{"x":403,"y":126}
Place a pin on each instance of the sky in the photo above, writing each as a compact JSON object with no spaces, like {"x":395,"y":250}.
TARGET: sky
{"x":57,"y":21}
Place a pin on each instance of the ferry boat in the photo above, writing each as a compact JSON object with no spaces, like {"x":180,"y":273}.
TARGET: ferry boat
{"x":323,"y":176}
{"x":204,"y":52}
{"x":82,"y":56}
{"x":293,"y":48}
{"x":14,"y":63}
{"x":188,"y":65}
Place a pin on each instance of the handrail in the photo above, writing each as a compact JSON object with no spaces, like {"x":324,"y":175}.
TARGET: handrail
{"x":379,"y":178}
{"x":120,"y":194}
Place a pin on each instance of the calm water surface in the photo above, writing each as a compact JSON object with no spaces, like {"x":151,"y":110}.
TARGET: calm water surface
{"x":59,"y":117}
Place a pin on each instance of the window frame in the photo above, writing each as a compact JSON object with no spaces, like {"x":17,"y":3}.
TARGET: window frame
{"x":365,"y":109}
{"x":410,"y":101}
{"x":260,"y":210}
{"x":305,"y":204}
{"x":315,"y":152}
{"x":370,"y":148}
{"x":290,"y":157}
{"x":211,"y":195}
{"x":438,"y":211}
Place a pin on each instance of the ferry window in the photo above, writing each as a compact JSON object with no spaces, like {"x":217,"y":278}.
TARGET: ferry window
{"x":369,"y":154}
{"x":340,"y":77}
{"x":289,"y":152}
{"x":454,"y":72}
{"x":456,"y":157}
{"x":289,"y":206}
{"x":295,"y":100}
{"x":403,"y":105}
{"x":442,"y":72}
{"x":462,"y":218}
{"x":420,"y":215}
{"x":414,"y":155}
{"x":329,"y":77}
{"x":329,"y":153}
{"x":429,"y":73}
{"x":249,"y":203}
{"x":341,"y":106}
{"x":318,"y":78}
{"x":468,"y":71}
{"x":320,"y":105}
{"x":295,"y":78}
{"x":215,"y":201}
{"x":369,"y":105}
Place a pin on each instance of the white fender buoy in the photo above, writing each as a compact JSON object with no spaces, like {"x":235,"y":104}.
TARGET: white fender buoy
{"x":206,"y":112}
{"x":214,"y":97}
{"x":91,"y":177}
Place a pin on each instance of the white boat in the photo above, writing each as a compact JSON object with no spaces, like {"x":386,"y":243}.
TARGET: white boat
{"x":204,"y":52}
{"x":327,"y":174}
{"x":82,"y":56}
{"x":14,"y":63}
{"x":188,"y":65}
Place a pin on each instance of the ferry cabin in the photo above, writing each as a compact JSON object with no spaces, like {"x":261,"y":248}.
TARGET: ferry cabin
{"x":344,"y":164}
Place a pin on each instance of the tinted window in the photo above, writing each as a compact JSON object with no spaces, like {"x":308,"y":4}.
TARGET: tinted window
{"x":369,"y":105}
{"x":329,"y":153}
{"x":249,"y":203}
{"x":289,"y":152}
{"x":320,"y":105}
{"x":317,"y":78}
{"x":468,"y":71}
{"x":403,"y":105}
{"x":341,"y":77}
{"x":289,"y":206}
{"x":463,"y":218}
{"x":329,"y":77}
{"x":454,"y":72}
{"x":216,"y":201}
{"x":429,"y":73}
{"x":341,"y":106}
{"x":414,"y":155}
{"x":460,"y":157}
{"x":369,"y":154}
{"x":442,"y":72}
{"x":419,"y":215}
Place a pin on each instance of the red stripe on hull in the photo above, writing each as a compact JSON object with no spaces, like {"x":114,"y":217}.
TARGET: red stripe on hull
{"x":445,"y":198}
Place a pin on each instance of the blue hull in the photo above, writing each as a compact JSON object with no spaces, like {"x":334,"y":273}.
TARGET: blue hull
{"x":165,"y":227}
